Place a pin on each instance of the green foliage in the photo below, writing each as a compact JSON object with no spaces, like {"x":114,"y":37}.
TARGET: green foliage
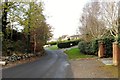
{"x":8,"y":47}
{"x":82,"y":45}
{"x":88,"y":47}
{"x":34,"y":26}
{"x":119,"y":39}
{"x":53,"y":47}
{"x":74,"y":53}
{"x":63,"y":45}
{"x":19,"y":46}
{"x":39,"y":47}
{"x":52,"y":43}
{"x":108,"y":41}
{"x":67,"y":44}
{"x":92,"y":46}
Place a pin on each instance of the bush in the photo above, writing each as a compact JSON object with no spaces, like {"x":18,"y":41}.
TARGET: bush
{"x":108,"y":41}
{"x":39,"y":47}
{"x":7,"y":47}
{"x":52,"y":43}
{"x":95,"y":46}
{"x":63,"y":45}
{"x":119,"y":39}
{"x":19,"y":46}
{"x":75,"y":42}
{"x":82,"y":46}
{"x":67,"y":44}
{"x":90,"y":48}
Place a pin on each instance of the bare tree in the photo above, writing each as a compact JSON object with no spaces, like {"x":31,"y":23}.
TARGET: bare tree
{"x":91,"y":24}
{"x":110,"y":17}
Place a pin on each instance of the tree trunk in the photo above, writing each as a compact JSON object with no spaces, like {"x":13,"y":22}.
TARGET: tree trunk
{"x":4,"y":19}
{"x":34,"y":43}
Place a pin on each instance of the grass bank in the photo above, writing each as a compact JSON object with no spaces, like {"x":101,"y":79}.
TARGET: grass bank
{"x":74,"y":53}
{"x":53,"y":47}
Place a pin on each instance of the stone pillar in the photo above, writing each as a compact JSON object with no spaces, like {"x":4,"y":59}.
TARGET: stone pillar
{"x":116,"y":54}
{"x":101,"y":50}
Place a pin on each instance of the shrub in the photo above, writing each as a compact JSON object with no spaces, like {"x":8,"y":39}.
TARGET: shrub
{"x":7,"y":47}
{"x":119,"y":39}
{"x":52,"y":43}
{"x":64,"y":45}
{"x":95,"y":46}
{"x":19,"y":46}
{"x":75,"y":42}
{"x":39,"y":47}
{"x":108,"y":41}
{"x":90,"y":48}
{"x":67,"y":44}
{"x":82,"y":45}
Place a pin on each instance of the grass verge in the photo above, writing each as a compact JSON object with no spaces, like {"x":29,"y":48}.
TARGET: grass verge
{"x":74,"y":53}
{"x":54,"y":47}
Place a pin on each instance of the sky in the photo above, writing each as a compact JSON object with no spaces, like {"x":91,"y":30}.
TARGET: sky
{"x":63,"y":15}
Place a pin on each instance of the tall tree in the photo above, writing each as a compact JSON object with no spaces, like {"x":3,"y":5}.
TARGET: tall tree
{"x":91,"y":25}
{"x":35,"y":26}
{"x":30,"y":17}
{"x":110,"y":17}
{"x":5,"y":8}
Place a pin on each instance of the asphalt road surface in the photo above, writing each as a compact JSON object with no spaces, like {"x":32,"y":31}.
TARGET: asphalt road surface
{"x":53,"y":65}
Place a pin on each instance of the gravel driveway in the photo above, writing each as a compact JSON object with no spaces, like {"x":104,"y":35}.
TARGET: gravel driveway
{"x":90,"y":68}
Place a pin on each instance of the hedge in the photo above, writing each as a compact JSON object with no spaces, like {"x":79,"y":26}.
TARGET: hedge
{"x":67,"y":44}
{"x":92,"y":46}
{"x":52,"y":43}
{"x":108,"y":41}
{"x":119,"y":39}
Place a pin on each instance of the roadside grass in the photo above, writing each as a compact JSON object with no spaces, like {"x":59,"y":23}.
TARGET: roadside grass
{"x":53,"y":47}
{"x":74,"y":53}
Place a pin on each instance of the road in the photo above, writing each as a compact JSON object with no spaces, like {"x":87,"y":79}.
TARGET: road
{"x":53,"y":65}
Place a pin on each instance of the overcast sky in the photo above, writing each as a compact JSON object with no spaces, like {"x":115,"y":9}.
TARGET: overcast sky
{"x":63,"y":15}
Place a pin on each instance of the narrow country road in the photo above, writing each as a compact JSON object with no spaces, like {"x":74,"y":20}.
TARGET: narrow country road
{"x":53,"y":65}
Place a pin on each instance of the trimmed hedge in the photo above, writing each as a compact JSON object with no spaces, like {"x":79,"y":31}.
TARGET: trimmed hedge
{"x":63,"y":45}
{"x":68,"y":44}
{"x":52,"y":43}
